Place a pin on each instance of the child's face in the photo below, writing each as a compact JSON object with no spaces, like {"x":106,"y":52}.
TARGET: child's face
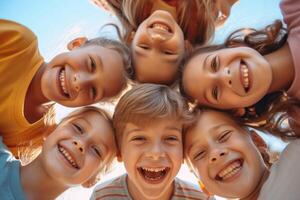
{"x":152,"y":156}
{"x":227,"y":78}
{"x":157,"y":47}
{"x":83,"y":76}
{"x":77,"y":148}
{"x":224,"y":156}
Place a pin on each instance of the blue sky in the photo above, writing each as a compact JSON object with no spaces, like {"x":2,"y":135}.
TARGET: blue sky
{"x":55,"y":22}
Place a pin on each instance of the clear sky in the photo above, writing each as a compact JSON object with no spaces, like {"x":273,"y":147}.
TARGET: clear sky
{"x":55,"y":22}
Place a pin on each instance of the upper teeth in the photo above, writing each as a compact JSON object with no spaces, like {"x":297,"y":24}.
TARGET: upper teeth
{"x":161,"y":27}
{"x":153,"y":169}
{"x":68,"y":157}
{"x":245,"y":74}
{"x":230,"y":170}
{"x":62,"y":81}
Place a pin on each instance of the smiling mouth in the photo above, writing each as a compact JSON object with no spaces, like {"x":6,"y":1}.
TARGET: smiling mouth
{"x":230,"y":171}
{"x":68,"y":157}
{"x":62,"y":82}
{"x":160,"y":26}
{"x":154,"y":175}
{"x":245,"y":79}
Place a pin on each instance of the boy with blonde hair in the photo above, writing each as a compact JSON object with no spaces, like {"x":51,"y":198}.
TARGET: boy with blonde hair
{"x":148,"y":121}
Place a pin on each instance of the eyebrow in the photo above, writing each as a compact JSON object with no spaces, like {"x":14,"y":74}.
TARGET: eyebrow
{"x":86,"y":121}
{"x":173,"y":128}
{"x":205,"y":61}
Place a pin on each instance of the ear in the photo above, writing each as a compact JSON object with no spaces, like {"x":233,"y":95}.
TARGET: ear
{"x":77,"y":42}
{"x":258,"y":141}
{"x":119,"y":157}
{"x":130,"y":38}
{"x":188,"y":46}
{"x":91,"y":181}
{"x":238,"y":112}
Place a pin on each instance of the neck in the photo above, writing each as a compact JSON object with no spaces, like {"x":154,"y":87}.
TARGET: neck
{"x":282,"y":67}
{"x":34,"y":99}
{"x":41,"y":185}
{"x":254,"y":195}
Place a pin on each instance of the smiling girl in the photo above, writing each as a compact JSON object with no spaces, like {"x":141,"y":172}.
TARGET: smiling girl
{"x":94,"y":70}
{"x":157,"y":32}
{"x":231,"y":160}
{"x":80,"y":147}
{"x":250,"y":69}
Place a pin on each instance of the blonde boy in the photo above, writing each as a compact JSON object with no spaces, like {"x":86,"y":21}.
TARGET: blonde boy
{"x":148,"y":121}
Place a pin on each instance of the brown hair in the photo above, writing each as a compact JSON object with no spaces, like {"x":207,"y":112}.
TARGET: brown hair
{"x":147,"y":103}
{"x":198,"y":31}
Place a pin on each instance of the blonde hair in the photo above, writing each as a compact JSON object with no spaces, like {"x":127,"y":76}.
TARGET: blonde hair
{"x":147,"y":103}
{"x":198,"y":31}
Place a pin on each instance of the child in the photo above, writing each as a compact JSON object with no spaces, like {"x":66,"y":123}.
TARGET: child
{"x":235,"y":78}
{"x":148,"y":120}
{"x":93,"y":70}
{"x":229,"y":160}
{"x":79,"y":148}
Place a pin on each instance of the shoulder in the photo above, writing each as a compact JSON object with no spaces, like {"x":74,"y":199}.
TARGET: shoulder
{"x":112,"y":189}
{"x":186,"y":190}
{"x":14,"y":36}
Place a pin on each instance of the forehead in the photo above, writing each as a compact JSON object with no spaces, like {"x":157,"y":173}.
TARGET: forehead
{"x":210,"y":121}
{"x":154,"y":127}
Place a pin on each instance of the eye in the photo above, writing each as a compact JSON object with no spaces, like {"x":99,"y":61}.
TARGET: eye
{"x":168,"y":52}
{"x":215,"y":93}
{"x":225,"y":136}
{"x":97,"y":151}
{"x":93,"y":93}
{"x":144,"y":46}
{"x":172,"y":139}
{"x":199,"y":155}
{"x":78,"y":128}
{"x":138,"y":138}
{"x":215,"y":64}
{"x":92,"y":64}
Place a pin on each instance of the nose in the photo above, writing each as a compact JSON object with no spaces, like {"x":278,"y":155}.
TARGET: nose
{"x":156,"y":37}
{"x":225,"y":76}
{"x":217,"y":154}
{"x":81,"y":81}
{"x":78,"y":146}
{"x":155,"y":152}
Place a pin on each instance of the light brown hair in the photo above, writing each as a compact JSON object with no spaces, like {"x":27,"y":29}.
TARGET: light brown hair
{"x":198,"y":31}
{"x":145,"y":104}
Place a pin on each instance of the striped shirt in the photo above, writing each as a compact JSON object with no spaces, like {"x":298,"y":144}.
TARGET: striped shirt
{"x":117,"y":189}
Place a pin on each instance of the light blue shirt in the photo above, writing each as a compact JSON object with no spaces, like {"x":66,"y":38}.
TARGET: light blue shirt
{"x":10,"y":182}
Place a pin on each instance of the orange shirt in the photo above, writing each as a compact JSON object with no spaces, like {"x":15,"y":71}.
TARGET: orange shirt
{"x":19,"y":61}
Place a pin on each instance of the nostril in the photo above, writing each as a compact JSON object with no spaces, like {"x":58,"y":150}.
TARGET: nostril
{"x":214,"y":159}
{"x":81,"y":149}
{"x":222,"y":154}
{"x":74,"y":142}
{"x":230,"y":82}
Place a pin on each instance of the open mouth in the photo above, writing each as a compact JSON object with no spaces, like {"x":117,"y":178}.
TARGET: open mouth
{"x":62,"y":82}
{"x":160,"y":26}
{"x":153,"y":175}
{"x":244,"y":75}
{"x":230,"y":170}
{"x":68,"y":157}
